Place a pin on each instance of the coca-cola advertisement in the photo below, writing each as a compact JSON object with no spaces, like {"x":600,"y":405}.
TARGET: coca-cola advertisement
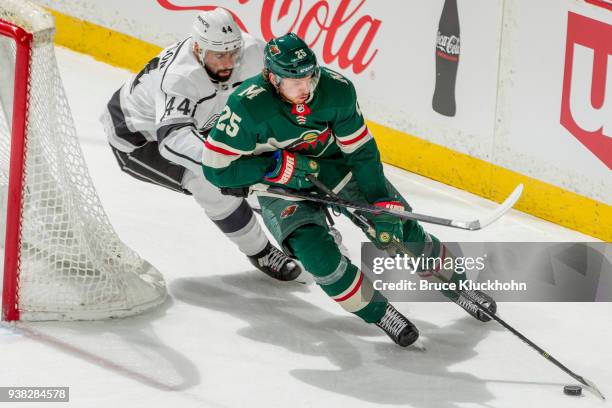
{"x":384,"y":48}
{"x":448,"y":49}
{"x":343,"y":30}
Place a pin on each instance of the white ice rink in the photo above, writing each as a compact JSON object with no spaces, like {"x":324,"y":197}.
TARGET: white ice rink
{"x":231,"y":337}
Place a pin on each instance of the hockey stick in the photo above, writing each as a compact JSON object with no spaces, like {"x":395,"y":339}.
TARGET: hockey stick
{"x":334,"y":200}
{"x":584,"y":381}
{"x":367,"y":225}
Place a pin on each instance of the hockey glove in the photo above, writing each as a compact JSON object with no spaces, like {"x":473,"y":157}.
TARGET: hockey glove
{"x":388,"y":227}
{"x":291,"y":170}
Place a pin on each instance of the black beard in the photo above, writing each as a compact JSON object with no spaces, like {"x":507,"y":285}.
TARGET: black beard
{"x":215,"y":77}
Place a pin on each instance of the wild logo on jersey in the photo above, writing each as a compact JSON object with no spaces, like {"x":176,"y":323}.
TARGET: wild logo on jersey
{"x":289,"y":211}
{"x":312,"y":142}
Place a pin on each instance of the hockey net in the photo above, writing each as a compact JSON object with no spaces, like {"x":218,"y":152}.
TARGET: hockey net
{"x":63,"y":260}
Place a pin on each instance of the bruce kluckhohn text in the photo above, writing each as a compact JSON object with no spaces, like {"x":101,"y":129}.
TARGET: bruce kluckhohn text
{"x":422,"y":285}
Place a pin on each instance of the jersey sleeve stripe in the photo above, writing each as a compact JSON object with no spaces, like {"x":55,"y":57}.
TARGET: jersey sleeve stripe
{"x":215,"y":160}
{"x":220,"y":150}
{"x":219,"y":155}
{"x":224,"y":148}
{"x":352,"y":135}
{"x":350,"y":145}
{"x":354,"y":138}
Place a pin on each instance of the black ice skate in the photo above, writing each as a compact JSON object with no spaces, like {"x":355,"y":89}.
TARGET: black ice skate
{"x":398,"y":327}
{"x":274,"y":263}
{"x":482,"y":298}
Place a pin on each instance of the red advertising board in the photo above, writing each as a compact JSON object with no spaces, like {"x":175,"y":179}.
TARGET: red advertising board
{"x":586,"y":107}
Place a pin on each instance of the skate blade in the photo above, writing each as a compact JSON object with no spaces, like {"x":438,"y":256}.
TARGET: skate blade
{"x":304,"y":278}
{"x":418,"y":345}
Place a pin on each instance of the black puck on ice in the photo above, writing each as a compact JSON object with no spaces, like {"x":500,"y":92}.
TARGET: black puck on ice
{"x":572,"y":390}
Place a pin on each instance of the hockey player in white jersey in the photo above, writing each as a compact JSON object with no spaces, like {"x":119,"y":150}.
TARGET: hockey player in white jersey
{"x":157,"y":122}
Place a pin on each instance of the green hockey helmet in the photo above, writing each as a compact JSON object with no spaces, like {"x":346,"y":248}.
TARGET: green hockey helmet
{"x":289,"y":56}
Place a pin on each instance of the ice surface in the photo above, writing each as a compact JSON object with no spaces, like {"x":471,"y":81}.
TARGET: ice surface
{"x":229,"y":336}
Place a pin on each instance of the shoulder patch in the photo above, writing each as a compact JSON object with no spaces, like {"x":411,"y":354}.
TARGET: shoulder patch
{"x":252,"y":91}
{"x":337,"y":76}
{"x":289,"y":211}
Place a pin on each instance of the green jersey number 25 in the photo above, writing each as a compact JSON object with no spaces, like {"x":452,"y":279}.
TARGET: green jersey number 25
{"x":234,"y":122}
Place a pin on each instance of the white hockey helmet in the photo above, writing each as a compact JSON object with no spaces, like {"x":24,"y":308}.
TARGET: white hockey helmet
{"x":216,"y":30}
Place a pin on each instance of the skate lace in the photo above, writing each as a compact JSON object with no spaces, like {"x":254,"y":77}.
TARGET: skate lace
{"x":467,"y":304}
{"x":477,"y":296}
{"x":392,"y":322}
{"x":275,"y":259}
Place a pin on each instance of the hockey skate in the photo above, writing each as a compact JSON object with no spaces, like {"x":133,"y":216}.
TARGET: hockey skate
{"x":274,"y":263}
{"x":398,"y":327}
{"x":482,"y":298}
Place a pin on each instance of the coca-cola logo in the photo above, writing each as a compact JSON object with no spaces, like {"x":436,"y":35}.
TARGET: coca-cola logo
{"x":586,"y":107}
{"x":345,"y":35}
{"x":607,"y":4}
{"x":449,"y":45}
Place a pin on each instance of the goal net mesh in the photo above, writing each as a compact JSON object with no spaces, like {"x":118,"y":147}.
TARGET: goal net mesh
{"x":72,"y":265}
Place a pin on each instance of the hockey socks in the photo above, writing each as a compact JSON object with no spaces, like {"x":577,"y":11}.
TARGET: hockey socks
{"x":337,"y":276}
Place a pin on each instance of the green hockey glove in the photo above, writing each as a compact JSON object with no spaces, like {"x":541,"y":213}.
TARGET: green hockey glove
{"x":291,"y":170}
{"x":388,"y":227}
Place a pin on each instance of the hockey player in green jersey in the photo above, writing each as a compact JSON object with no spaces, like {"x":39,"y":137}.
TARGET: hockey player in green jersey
{"x":299,"y":119}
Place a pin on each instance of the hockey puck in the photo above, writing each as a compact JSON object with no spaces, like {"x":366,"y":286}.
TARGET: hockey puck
{"x":574,"y":390}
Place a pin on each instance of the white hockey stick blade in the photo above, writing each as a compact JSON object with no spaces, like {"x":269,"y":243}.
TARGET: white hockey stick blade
{"x":494,"y":215}
{"x":593,"y":388}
